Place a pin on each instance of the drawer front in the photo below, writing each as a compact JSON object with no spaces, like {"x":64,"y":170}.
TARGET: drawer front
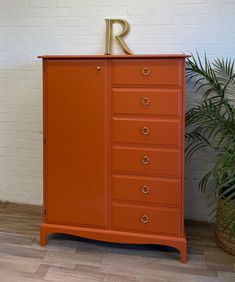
{"x":147,"y":72}
{"x":146,"y":190}
{"x":166,"y":162}
{"x":143,"y":219}
{"x":146,"y":131}
{"x":150,"y":102}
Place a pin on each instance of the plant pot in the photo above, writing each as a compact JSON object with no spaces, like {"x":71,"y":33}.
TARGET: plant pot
{"x":221,"y":234}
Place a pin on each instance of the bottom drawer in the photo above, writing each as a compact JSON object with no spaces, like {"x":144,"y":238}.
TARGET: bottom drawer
{"x":146,"y":220}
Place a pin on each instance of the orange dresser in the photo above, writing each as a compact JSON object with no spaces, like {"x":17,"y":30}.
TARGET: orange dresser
{"x":114,"y":148}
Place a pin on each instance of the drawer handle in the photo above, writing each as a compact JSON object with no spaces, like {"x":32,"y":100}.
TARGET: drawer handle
{"x":145,"y":130}
{"x":145,"y":101}
{"x":98,"y":68}
{"x":145,"y":160}
{"x":144,"y":219}
{"x":146,"y":71}
{"x":145,"y":189}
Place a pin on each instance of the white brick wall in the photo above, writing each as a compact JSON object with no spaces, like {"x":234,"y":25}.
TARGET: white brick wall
{"x":32,"y":27}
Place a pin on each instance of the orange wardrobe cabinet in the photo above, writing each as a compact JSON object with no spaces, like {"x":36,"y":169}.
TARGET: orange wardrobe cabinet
{"x":114,"y":148}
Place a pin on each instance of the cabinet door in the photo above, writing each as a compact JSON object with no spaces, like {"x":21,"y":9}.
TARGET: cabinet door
{"x":75,"y":166}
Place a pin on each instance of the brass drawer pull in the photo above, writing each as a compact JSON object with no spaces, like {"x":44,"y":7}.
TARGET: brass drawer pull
{"x":144,"y":219}
{"x":145,"y":189}
{"x":145,"y":101}
{"x":146,"y":71}
{"x":98,"y":68}
{"x":145,"y":130}
{"x":145,"y":160}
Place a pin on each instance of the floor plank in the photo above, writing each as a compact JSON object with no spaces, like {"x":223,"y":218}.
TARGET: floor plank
{"x":73,"y":259}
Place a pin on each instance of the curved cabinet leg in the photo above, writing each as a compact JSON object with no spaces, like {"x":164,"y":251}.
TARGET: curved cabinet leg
{"x":183,"y":252}
{"x":43,"y":236}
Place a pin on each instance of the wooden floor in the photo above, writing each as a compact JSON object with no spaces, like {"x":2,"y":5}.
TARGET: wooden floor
{"x":72,"y":259}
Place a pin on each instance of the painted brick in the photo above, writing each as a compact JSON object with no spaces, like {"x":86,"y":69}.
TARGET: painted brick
{"x":42,"y":11}
{"x":9,"y":152}
{"x":80,"y":3}
{"x":73,"y":21}
{"x":15,"y":3}
{"x":84,"y":11}
{"x":113,"y":12}
{"x":42,"y":3}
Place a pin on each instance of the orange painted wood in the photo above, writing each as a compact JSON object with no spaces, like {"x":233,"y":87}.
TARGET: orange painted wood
{"x":146,"y":219}
{"x":146,"y":190}
{"x":108,"y":57}
{"x":95,"y":154}
{"x":163,"y":102}
{"x":162,"y":162}
{"x":75,"y":124}
{"x":157,"y":72}
{"x":147,"y":131}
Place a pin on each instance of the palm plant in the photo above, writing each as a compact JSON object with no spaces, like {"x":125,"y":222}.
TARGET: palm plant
{"x":211,"y":123}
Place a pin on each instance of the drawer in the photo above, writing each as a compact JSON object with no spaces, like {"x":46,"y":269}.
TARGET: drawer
{"x":146,"y":190}
{"x":147,"y":102}
{"x":166,"y":162}
{"x":148,"y":72}
{"x":147,"y":131}
{"x":144,"y":219}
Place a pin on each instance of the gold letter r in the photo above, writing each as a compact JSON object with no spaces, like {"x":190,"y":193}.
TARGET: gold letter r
{"x":109,"y":35}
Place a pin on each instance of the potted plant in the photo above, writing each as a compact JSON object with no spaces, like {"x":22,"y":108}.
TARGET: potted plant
{"x":211,"y":123}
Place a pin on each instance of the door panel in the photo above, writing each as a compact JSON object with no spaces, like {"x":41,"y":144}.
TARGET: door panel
{"x":75,"y":150}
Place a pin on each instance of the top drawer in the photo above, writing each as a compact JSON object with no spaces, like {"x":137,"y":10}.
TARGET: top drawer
{"x":148,"y":72}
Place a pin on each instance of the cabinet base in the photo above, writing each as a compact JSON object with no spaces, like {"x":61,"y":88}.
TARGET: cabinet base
{"x":115,"y":237}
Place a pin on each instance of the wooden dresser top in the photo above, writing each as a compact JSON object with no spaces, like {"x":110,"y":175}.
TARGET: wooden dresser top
{"x":144,"y":56}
